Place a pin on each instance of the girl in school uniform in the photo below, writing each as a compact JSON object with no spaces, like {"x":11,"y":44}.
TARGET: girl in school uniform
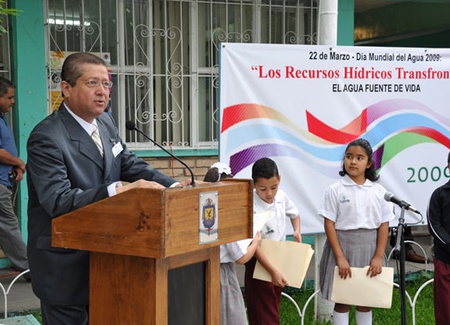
{"x":232,"y":307}
{"x":356,"y":220}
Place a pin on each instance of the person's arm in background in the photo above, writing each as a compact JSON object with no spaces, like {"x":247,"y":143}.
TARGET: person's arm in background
{"x":251,"y":249}
{"x":15,"y":162}
{"x":297,"y":231}
{"x":8,"y":159}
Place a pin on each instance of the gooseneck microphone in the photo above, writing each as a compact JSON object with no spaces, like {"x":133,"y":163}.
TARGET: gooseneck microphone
{"x":391,"y":198}
{"x":131,"y":126}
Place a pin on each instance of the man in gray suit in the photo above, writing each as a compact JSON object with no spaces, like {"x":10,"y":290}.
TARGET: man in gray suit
{"x":66,"y":171}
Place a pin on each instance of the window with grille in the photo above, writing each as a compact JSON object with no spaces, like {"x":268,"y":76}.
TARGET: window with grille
{"x":164,"y":55}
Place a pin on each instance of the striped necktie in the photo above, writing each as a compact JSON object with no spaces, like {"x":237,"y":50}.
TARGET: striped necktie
{"x":96,"y":137}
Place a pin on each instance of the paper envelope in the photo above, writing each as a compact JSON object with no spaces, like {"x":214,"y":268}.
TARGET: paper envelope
{"x":290,"y":258}
{"x":361,"y":290}
{"x":259,"y":220}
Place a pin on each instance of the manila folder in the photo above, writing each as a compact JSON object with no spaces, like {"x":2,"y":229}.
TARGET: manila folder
{"x":290,"y":258}
{"x":362,"y":290}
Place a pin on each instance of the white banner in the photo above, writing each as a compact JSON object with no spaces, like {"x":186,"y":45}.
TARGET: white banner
{"x":301,"y":105}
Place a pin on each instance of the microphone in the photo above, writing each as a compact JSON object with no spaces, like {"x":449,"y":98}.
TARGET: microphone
{"x":131,"y":126}
{"x":391,"y":198}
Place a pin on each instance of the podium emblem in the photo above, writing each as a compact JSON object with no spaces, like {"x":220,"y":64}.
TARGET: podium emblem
{"x":208,"y":217}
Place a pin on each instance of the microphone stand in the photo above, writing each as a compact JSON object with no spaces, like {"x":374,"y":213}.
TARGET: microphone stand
{"x":166,"y":151}
{"x":400,"y":248}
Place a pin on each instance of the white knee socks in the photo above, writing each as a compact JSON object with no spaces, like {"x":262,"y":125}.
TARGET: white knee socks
{"x":361,"y":318}
{"x":340,"y":318}
{"x":364,"y":318}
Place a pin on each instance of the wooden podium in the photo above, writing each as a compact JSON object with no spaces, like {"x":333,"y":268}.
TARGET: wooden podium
{"x":137,"y":238}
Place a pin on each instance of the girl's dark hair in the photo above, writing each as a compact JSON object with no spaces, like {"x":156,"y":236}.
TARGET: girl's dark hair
{"x":264,"y":168}
{"x":212,"y":175}
{"x":370,"y":173}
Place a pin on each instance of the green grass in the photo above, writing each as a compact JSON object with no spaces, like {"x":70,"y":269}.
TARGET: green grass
{"x":37,"y":314}
{"x":424,"y":306}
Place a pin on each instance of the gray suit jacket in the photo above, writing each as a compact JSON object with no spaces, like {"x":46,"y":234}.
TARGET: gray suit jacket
{"x":65,"y":171}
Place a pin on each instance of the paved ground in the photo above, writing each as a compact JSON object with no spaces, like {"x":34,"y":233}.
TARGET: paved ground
{"x":18,"y":293}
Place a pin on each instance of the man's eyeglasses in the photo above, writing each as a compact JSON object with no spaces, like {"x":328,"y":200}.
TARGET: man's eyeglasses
{"x":95,"y":83}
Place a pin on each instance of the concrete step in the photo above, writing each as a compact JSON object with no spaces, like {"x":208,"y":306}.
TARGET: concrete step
{"x":20,"y":320}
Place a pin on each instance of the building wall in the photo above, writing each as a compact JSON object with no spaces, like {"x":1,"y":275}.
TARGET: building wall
{"x":346,"y":11}
{"x":173,"y":168}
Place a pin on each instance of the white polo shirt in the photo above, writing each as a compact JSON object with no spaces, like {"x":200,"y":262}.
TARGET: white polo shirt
{"x":352,"y":206}
{"x":231,"y":252}
{"x":282,"y":208}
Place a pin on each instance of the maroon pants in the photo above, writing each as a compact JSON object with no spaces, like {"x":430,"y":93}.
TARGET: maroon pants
{"x":262,"y":298}
{"x":441,"y":292}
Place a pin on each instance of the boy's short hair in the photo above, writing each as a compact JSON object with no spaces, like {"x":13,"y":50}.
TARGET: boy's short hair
{"x":264,"y":168}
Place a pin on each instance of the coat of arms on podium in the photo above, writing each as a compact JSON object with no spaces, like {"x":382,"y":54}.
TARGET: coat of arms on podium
{"x":208,"y":217}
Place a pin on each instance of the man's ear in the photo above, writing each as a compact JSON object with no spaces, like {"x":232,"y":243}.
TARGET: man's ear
{"x":65,"y":88}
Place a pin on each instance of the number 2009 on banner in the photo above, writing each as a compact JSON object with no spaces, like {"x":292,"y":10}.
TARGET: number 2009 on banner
{"x":424,"y":174}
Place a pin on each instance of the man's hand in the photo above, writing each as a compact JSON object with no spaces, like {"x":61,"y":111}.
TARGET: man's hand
{"x":139,"y":184}
{"x":21,"y":165}
{"x":187,"y":182}
{"x":19,"y":174}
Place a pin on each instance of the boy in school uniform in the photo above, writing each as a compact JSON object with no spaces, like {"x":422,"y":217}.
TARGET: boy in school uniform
{"x":263,"y":298}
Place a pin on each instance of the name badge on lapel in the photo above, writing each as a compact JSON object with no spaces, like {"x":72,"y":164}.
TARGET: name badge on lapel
{"x":117,"y":149}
